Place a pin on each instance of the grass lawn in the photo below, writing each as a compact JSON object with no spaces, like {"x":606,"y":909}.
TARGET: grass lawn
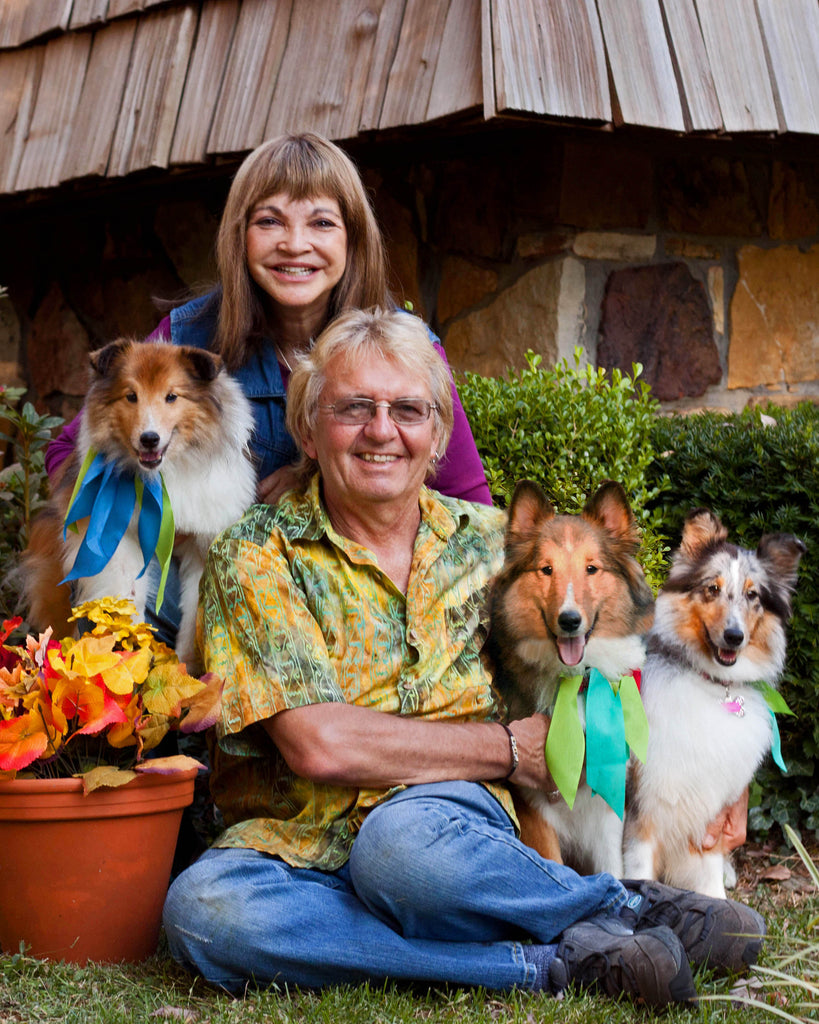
{"x":41,"y":992}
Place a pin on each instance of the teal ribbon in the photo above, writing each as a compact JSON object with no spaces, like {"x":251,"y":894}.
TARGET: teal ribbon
{"x":606,"y":737}
{"x":615,"y":722}
{"x":107,"y":498}
{"x":776,"y":705}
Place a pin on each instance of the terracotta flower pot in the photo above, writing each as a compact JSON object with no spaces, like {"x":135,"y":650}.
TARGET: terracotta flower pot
{"x":84,"y":877}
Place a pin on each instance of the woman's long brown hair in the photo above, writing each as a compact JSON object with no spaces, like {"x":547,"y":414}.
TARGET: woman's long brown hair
{"x":301,"y":166}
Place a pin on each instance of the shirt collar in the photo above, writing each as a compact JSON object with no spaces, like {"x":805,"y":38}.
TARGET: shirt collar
{"x":313,"y":521}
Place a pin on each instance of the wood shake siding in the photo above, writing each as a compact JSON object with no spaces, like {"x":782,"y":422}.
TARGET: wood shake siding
{"x":113,"y":87}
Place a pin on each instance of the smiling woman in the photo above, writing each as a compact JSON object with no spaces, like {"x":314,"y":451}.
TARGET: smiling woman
{"x":298,"y":244}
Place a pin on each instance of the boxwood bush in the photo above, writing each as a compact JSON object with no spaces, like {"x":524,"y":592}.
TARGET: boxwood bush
{"x":569,"y":428}
{"x":759,"y":471}
{"x":572,"y":426}
{"x":23,"y":486}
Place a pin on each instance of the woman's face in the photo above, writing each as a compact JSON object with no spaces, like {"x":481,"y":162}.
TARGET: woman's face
{"x":297,"y":251}
{"x":378,"y":461}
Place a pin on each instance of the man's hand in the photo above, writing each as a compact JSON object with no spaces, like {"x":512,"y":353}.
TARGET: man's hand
{"x":530,"y":734}
{"x":729,"y":827}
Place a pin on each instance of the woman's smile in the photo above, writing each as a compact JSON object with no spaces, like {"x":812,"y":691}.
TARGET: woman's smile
{"x":297,"y":250}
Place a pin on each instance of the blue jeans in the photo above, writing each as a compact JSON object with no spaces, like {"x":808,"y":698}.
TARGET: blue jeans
{"x":168,"y":617}
{"x":438,"y":889}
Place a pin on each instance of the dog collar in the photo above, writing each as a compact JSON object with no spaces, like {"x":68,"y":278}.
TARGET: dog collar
{"x":615,"y":722}
{"x":635,"y":673}
{"x":108,"y":497}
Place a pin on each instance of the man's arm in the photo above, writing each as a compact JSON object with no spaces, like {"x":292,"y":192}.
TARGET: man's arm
{"x":730,"y":826}
{"x":341,"y":744}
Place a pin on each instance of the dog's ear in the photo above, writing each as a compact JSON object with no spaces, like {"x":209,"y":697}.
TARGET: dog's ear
{"x":609,"y":506}
{"x":104,"y":358}
{"x":529,"y":509}
{"x":701,"y":530}
{"x":205,"y":366}
{"x":781,"y":552}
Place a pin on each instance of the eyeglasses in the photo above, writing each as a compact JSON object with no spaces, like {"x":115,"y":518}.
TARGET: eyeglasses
{"x":406,"y":412}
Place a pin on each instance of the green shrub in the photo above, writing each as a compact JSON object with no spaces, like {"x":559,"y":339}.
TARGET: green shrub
{"x":760,"y":479}
{"x":23,"y":486}
{"x":569,"y":428}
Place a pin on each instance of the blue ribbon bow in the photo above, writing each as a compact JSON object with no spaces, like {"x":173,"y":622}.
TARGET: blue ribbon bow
{"x":107,"y":498}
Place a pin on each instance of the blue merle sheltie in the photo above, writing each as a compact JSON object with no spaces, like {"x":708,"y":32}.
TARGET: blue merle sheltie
{"x":716,"y":652}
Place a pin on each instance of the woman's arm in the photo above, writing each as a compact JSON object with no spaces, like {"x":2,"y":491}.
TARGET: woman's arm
{"x":62,"y":446}
{"x":461,"y":473}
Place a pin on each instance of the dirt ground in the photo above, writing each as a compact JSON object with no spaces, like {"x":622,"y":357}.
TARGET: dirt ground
{"x":773,"y":872}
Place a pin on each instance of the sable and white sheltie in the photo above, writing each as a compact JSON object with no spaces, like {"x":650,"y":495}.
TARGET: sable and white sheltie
{"x":571,"y":596}
{"x":719,"y":632}
{"x":151,"y":407}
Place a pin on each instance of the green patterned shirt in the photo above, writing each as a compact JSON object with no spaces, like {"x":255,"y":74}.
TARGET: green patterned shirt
{"x":292,"y":614}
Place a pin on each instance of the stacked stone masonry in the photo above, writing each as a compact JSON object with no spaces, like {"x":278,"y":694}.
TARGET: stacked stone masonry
{"x":698,"y":259}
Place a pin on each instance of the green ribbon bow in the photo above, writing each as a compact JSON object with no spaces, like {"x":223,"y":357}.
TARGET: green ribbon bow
{"x":108,"y":497}
{"x":615,"y":722}
{"x":776,"y":705}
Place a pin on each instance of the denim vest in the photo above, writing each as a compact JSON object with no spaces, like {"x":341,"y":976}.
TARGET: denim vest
{"x":272,"y":447}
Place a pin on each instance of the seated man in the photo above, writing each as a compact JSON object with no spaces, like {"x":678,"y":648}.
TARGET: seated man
{"x":360,"y":766}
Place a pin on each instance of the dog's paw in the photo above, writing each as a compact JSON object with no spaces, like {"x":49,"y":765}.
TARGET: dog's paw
{"x":729,"y":874}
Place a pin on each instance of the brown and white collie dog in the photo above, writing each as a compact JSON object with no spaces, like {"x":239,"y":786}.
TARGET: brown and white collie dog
{"x":570,"y":597}
{"x":719,"y":632}
{"x":151,"y":407}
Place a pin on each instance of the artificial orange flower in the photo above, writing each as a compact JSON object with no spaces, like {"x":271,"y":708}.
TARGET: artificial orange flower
{"x":22,"y":740}
{"x":166,"y":687}
{"x":123,"y":733}
{"x":78,"y":698}
{"x":101,"y":701}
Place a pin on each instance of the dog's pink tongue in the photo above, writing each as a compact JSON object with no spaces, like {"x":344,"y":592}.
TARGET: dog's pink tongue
{"x":571,"y":649}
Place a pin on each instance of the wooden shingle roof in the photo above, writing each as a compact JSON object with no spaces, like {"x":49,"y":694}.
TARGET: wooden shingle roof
{"x":111,"y":87}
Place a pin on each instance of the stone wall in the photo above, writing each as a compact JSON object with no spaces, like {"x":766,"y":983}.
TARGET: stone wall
{"x":80,"y":273}
{"x":697,"y":258}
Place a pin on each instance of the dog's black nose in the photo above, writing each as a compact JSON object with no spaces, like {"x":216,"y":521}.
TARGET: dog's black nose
{"x":149,"y":440}
{"x":569,"y":621}
{"x":733,"y":637}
